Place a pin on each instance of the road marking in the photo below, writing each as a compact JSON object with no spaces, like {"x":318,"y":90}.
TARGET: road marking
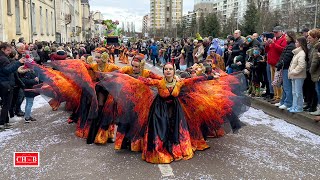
{"x":165,"y":170}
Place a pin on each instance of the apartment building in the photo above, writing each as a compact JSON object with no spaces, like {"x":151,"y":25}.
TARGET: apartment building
{"x":146,"y":24}
{"x":165,"y":14}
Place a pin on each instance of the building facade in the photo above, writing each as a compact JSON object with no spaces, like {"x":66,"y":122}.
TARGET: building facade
{"x":165,"y":14}
{"x":68,"y":20}
{"x":188,"y":18}
{"x":293,"y":14}
{"x":15,"y":20}
{"x":87,"y":20}
{"x":146,"y":25}
{"x":99,"y":29}
{"x":42,"y":15}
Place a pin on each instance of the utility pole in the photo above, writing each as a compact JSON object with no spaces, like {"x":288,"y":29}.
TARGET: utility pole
{"x":316,"y":15}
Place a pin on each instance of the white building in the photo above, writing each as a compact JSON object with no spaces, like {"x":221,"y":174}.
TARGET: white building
{"x":188,"y":18}
{"x":98,"y":29}
{"x":237,"y":8}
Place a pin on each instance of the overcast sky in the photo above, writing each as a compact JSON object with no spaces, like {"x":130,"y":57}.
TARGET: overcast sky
{"x":129,"y":10}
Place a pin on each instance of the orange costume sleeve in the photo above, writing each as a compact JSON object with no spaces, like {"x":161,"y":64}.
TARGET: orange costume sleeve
{"x":149,"y":74}
{"x":94,"y":67}
{"x":126,"y":70}
{"x":111,"y":67}
{"x":108,"y":68}
{"x":151,"y":82}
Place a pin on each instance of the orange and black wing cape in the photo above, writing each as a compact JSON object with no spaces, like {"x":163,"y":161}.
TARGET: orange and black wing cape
{"x":209,"y":104}
{"x":133,"y":99}
{"x":77,"y":71}
{"x":57,"y":86}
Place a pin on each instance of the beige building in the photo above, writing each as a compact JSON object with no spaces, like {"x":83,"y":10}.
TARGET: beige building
{"x":165,"y":14}
{"x":87,"y":20}
{"x":42,"y":20}
{"x":14,"y":20}
{"x":68,"y":20}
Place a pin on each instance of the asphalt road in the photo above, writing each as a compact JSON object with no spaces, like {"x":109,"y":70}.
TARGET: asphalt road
{"x":266,"y":148}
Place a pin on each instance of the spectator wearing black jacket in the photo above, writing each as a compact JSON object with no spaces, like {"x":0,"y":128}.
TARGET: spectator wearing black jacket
{"x":41,"y":54}
{"x":284,"y":64}
{"x":18,"y":95}
{"x":235,"y":50}
{"x":7,"y":82}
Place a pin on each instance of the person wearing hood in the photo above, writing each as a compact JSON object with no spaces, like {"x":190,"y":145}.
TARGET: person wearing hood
{"x":59,"y":55}
{"x":215,"y":45}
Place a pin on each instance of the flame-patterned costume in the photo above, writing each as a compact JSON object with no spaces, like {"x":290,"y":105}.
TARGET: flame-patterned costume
{"x":172,"y":125}
{"x":111,"y":53}
{"x":166,"y":125}
{"x":124,"y":56}
{"x":106,"y":124}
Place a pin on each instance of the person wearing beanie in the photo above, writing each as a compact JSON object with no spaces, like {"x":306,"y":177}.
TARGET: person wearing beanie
{"x":215,"y":60}
{"x":274,"y":48}
{"x":60,"y":54}
{"x":305,"y":32}
{"x":237,"y":65}
{"x":283,"y":64}
{"x":29,"y":78}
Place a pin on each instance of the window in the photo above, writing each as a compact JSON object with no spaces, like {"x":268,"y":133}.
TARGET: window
{"x":24,"y":9}
{"x":41,"y":21}
{"x":52,"y":23}
{"x":17,"y":12}
{"x":9,"y":7}
{"x":47,"y":22}
{"x":33,"y":18}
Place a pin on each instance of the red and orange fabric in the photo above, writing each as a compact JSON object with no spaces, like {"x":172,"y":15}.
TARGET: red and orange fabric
{"x":204,"y":104}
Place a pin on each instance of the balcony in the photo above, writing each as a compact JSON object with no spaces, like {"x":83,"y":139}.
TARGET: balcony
{"x":67,"y":19}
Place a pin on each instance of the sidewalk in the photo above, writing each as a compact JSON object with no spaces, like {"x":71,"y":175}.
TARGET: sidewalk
{"x":303,"y":120}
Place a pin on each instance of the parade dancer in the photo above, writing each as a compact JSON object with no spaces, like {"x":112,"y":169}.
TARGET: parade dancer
{"x":174,"y":123}
{"x":105,"y":126}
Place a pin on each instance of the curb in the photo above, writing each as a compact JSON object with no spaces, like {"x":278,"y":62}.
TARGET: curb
{"x":303,"y":120}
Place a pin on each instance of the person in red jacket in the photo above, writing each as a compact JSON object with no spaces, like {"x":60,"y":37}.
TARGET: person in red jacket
{"x":60,"y":54}
{"x":274,"y":48}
